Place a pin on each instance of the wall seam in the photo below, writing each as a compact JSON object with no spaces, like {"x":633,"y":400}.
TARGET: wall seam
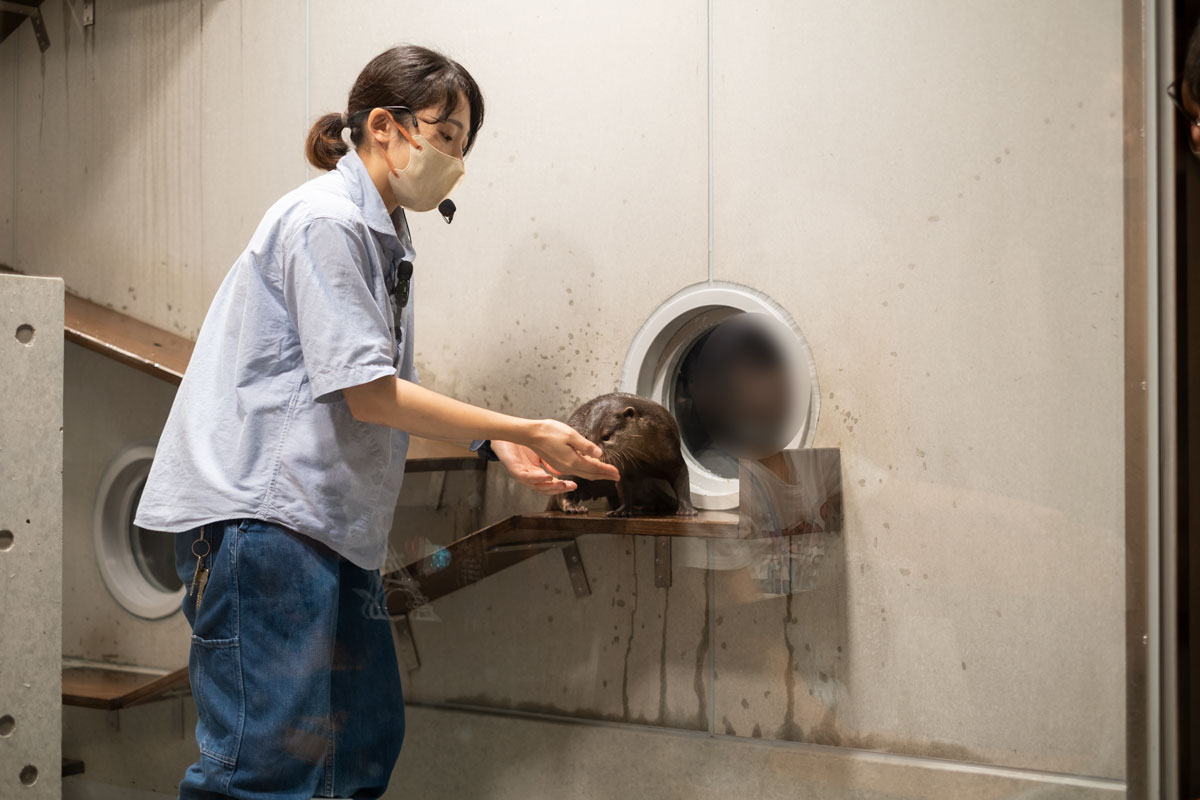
{"x":710,"y":608}
{"x":709,"y":87}
{"x":197,"y":279}
{"x":16,"y":131}
{"x":1141,"y":406}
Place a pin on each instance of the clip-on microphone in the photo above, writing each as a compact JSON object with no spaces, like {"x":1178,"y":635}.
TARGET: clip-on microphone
{"x":447,"y":209}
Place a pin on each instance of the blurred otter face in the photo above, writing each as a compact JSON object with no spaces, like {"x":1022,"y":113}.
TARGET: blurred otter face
{"x":741,"y":389}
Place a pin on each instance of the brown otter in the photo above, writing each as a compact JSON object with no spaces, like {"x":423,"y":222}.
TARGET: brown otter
{"x":641,"y":439}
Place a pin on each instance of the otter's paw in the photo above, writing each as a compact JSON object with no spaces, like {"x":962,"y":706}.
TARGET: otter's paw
{"x":685,"y":511}
{"x":621,"y":511}
{"x":574,"y":508}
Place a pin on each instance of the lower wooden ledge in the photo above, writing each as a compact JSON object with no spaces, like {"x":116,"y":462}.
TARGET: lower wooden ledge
{"x":103,"y":687}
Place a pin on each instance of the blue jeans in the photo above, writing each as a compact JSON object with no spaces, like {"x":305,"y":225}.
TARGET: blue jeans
{"x":292,"y":668}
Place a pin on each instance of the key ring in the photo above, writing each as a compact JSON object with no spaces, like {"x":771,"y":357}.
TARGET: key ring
{"x":207,"y":547}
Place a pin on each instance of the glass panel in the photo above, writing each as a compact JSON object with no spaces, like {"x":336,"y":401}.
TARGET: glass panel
{"x":923,"y":520}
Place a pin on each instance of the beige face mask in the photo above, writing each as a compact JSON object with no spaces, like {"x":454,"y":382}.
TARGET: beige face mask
{"x":430,"y":176}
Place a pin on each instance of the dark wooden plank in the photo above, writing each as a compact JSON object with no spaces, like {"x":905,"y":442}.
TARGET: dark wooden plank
{"x":98,"y":687}
{"x":102,"y":687}
{"x":121,"y":337}
{"x":171,"y":683}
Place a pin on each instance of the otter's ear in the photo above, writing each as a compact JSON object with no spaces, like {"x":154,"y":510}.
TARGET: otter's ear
{"x":629,"y":413}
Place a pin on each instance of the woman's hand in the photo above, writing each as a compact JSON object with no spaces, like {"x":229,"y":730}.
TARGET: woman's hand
{"x":525,"y":466}
{"x":566,"y":452}
{"x":408,"y":407}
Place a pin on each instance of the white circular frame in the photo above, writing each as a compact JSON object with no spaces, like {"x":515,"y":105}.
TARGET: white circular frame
{"x":665,"y":338}
{"x":111,"y":517}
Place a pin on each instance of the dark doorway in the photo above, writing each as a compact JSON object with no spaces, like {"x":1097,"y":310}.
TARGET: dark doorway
{"x":1187,"y":198}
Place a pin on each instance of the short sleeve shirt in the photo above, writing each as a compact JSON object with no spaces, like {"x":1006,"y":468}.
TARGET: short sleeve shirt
{"x":259,"y":427}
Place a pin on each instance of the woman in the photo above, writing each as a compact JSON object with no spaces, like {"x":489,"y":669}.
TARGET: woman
{"x":281,"y":461}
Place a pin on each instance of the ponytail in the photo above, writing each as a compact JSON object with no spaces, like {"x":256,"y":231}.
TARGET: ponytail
{"x":325,"y":144}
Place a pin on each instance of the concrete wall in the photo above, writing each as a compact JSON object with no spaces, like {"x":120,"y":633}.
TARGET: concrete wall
{"x":933,"y":191}
{"x":31,"y":536}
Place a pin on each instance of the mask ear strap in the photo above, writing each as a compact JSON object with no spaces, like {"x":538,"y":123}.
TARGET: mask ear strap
{"x":403,"y":132}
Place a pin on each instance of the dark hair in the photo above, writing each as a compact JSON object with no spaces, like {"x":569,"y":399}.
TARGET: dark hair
{"x":1191,"y":64}
{"x":406,"y":75}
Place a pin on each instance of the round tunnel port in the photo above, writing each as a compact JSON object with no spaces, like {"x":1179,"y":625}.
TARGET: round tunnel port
{"x":138,"y":566}
{"x":667,"y":362}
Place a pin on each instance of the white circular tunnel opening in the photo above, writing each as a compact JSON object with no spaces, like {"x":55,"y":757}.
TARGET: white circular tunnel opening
{"x":138,"y":566}
{"x":658,"y":358}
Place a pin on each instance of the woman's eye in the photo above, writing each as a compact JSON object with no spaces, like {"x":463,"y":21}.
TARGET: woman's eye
{"x":448,"y":138}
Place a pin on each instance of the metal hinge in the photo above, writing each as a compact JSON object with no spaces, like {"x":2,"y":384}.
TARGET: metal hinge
{"x":35,"y":18}
{"x":575,"y":571}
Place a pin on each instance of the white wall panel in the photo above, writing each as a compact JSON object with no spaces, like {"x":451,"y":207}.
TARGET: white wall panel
{"x":567,"y":237}
{"x":933,"y":190}
{"x":584,"y":204}
{"x":107,"y":167}
{"x":150,"y":145}
{"x":252,"y":127}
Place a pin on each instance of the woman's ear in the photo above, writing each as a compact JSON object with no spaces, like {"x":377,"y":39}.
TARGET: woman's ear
{"x":380,"y":126}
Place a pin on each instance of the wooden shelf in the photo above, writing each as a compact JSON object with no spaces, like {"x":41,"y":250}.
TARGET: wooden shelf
{"x":106,"y":688}
{"x":520,"y":537}
{"x":122,"y":338}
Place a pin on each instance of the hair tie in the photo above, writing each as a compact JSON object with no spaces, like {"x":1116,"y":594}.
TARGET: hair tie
{"x":345,"y":120}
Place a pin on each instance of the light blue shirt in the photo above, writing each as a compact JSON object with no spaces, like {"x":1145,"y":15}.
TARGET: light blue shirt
{"x":259,"y":427}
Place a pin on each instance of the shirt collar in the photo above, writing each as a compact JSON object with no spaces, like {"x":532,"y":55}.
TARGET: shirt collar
{"x":366,"y":196}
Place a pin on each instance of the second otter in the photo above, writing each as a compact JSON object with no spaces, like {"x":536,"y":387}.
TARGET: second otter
{"x":641,"y":439}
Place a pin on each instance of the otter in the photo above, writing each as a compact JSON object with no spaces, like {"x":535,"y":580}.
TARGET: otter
{"x":641,"y":439}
